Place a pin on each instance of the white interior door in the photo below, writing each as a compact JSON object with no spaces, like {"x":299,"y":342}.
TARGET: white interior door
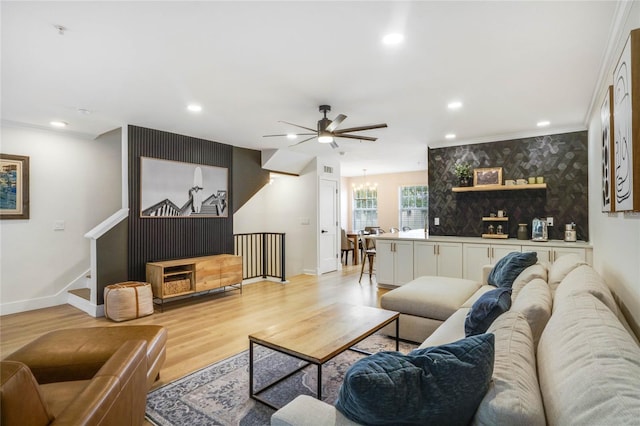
{"x":328,"y":238}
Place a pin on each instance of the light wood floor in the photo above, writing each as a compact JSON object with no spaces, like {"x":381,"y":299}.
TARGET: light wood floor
{"x":206,"y":329}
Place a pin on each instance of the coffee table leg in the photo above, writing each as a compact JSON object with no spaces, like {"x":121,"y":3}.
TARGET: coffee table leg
{"x":250,"y":369}
{"x":320,"y":382}
{"x":397,"y":334}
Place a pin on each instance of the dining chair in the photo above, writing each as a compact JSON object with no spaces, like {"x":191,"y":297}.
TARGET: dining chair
{"x":394,"y":230}
{"x":406,"y":228}
{"x":347,"y":246}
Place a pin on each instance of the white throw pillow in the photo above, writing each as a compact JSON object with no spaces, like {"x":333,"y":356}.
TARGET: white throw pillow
{"x":584,"y":279}
{"x":513,"y":397}
{"x":538,"y":270}
{"x":561,"y":267}
{"x":588,"y":366}
{"x":534,"y":302}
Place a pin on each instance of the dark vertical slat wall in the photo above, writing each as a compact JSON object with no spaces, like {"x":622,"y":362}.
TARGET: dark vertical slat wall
{"x":152,"y":239}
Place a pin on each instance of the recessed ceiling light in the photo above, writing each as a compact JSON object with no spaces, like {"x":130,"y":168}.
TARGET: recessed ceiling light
{"x":393,"y":39}
{"x":194,"y":108}
{"x":543,"y":123}
{"x":57,"y":123}
{"x":291,"y":136}
{"x":454,"y":105}
{"x":450,"y":136}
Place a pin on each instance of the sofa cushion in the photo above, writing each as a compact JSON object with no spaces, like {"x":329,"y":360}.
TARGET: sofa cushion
{"x":561,"y":268}
{"x":588,"y":365}
{"x":430,"y":297}
{"x":537,"y":270}
{"x":534,"y":302}
{"x":475,"y":296}
{"x":450,"y":330}
{"x":486,"y":309}
{"x":584,"y":279}
{"x":513,"y":397}
{"x":509,"y":267}
{"x":438,"y":385}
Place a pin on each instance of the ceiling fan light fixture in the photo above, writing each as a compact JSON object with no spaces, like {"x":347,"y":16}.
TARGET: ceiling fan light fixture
{"x":325,"y":138}
{"x":393,"y":39}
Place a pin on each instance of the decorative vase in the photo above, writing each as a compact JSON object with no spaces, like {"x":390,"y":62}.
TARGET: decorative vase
{"x":523,"y":234}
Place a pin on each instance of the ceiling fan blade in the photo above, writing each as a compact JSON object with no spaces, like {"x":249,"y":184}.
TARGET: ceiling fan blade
{"x":296,"y":144}
{"x":336,"y":122}
{"x":362,"y":138}
{"x":361,"y":128}
{"x":297,"y":125}
{"x":287,"y":134}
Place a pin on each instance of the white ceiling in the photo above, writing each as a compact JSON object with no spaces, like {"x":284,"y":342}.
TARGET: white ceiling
{"x":251,"y":64}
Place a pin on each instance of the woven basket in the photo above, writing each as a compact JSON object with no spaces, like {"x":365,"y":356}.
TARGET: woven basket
{"x":128,"y":300}
{"x":176,"y":287}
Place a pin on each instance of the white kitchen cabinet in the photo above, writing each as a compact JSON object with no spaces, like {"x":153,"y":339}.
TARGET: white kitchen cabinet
{"x":394,"y":262}
{"x":478,"y":255}
{"x":549,"y":254}
{"x":437,"y":258}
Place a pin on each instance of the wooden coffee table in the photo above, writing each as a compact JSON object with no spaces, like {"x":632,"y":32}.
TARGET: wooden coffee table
{"x":319,"y":337}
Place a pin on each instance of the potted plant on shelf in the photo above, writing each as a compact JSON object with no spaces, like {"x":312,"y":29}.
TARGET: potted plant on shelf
{"x":463,"y":172}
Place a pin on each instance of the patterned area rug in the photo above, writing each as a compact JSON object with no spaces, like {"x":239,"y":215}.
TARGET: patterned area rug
{"x":219,"y":394}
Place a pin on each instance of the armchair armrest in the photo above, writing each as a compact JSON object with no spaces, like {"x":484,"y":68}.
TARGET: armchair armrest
{"x":308,"y":411}
{"x":117,"y":394}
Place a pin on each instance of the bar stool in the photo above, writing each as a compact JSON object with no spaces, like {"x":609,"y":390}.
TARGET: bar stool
{"x":369,"y":254}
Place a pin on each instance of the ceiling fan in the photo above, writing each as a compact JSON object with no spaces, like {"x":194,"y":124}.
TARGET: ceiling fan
{"x":327,"y":130}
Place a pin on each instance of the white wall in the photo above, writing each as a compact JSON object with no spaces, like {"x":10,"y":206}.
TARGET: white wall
{"x":615,"y":236}
{"x":72,"y":178}
{"x":289,"y":205}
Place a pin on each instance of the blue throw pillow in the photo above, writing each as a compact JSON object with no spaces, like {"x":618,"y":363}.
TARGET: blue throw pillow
{"x":438,"y":385}
{"x":509,"y":267}
{"x":486,"y":309}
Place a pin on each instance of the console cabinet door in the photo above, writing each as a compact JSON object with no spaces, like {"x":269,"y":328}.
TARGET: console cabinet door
{"x":478,"y":255}
{"x":561,"y":251}
{"x":394,"y":262}
{"x":450,"y":260}
{"x":425,"y":261}
{"x":475,"y":257}
{"x":403,"y":267}
{"x":385,"y":262}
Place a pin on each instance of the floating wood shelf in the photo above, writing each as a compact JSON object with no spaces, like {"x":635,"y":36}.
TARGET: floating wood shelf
{"x":499,"y":187}
{"x":495,"y":219}
{"x":496,"y":236}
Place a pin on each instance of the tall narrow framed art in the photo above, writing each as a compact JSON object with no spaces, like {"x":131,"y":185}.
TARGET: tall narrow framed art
{"x":626,"y":108}
{"x":608,"y":173}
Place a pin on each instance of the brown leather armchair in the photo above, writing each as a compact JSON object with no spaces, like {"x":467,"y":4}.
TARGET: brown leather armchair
{"x":115,"y":395}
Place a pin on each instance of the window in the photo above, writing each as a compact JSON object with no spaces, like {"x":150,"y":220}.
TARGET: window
{"x":365,"y":207}
{"x":414,"y":206}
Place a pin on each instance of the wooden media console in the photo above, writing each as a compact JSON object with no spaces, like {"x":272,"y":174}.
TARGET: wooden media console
{"x":182,"y":277}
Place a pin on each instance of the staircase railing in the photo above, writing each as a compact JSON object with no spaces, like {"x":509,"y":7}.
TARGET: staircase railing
{"x":263,"y":254}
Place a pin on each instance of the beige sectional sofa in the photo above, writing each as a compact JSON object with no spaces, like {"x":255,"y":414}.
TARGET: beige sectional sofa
{"x":564,"y":354}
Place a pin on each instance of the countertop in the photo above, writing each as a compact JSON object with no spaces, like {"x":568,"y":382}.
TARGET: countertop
{"x":420,"y":235}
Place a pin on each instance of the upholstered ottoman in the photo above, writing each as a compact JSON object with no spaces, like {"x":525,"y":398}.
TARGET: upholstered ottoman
{"x":84,"y":351}
{"x":425,"y":303}
{"x":128,"y":300}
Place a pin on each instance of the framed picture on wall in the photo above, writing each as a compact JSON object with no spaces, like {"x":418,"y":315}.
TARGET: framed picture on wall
{"x":173,"y":189}
{"x":14,"y":187}
{"x":608,"y":174}
{"x":626,"y":111}
{"x":487,"y":176}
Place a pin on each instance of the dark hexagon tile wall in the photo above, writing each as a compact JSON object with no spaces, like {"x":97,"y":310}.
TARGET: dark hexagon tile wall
{"x":563,"y":161}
